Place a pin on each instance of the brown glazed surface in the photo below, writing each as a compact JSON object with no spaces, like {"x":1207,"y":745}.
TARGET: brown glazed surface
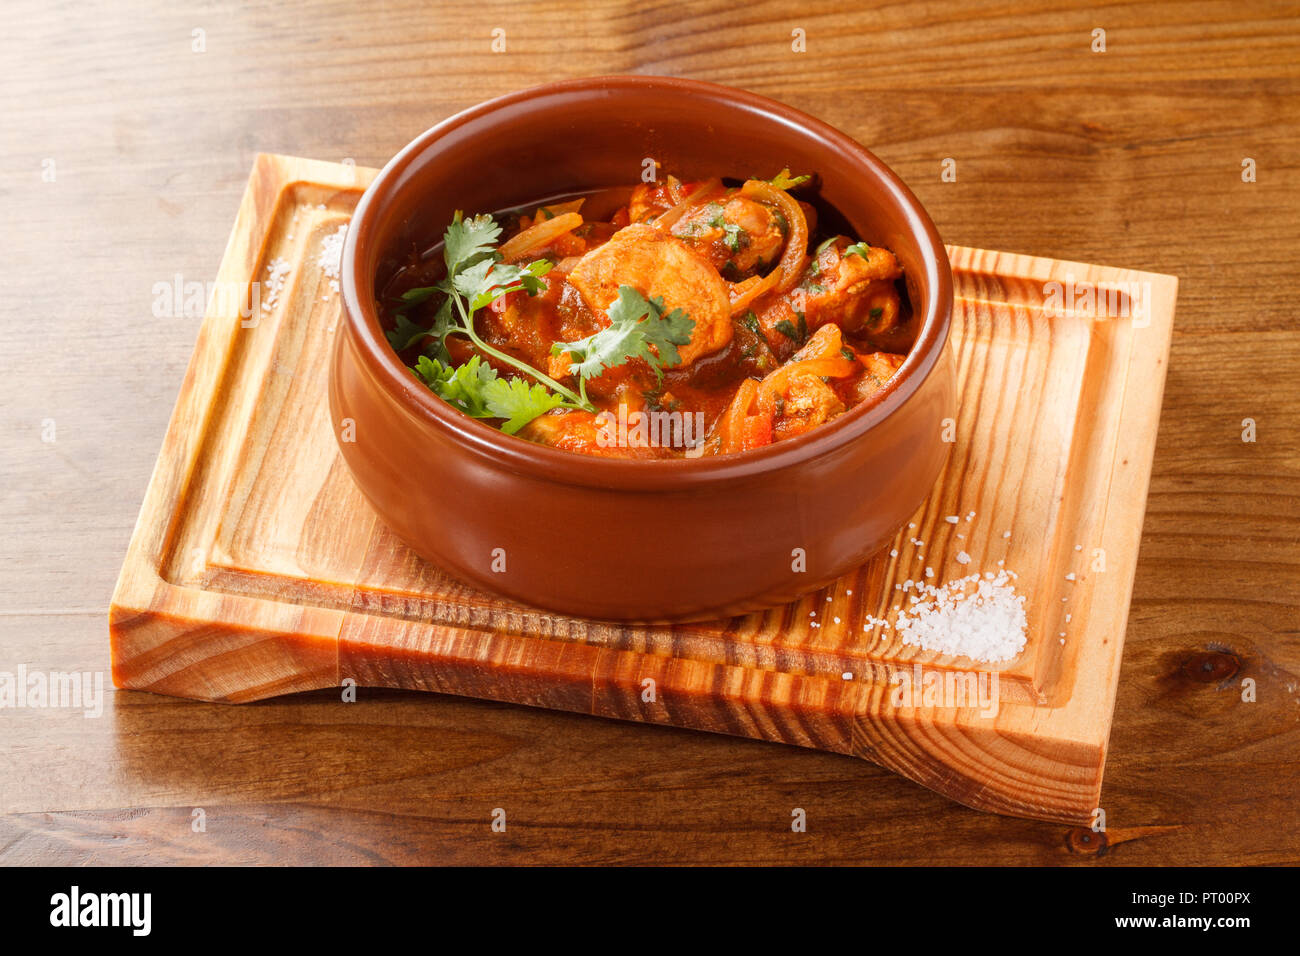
{"x":635,"y":540}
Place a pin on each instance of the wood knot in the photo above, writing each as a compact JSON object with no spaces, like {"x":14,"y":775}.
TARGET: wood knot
{"x":1084,"y":841}
{"x":1213,"y":666}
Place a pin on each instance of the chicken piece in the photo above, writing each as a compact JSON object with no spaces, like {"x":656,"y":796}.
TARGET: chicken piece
{"x":878,"y":369}
{"x":657,"y":264}
{"x":806,"y":403}
{"x":737,"y":235}
{"x":791,"y":400}
{"x":826,"y":342}
{"x":648,"y":200}
{"x":855,"y":290}
{"x":587,"y":434}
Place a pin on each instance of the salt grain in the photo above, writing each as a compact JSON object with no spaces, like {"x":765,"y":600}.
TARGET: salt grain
{"x":963,"y":557}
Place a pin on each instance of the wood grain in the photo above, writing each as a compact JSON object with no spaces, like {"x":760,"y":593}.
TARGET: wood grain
{"x":1130,"y":157}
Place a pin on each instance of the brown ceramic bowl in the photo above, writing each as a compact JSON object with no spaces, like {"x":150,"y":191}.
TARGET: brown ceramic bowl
{"x":617,"y":539}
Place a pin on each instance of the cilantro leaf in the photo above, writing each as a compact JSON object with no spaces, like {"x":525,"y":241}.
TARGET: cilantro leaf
{"x":518,"y":401}
{"x":468,"y":242}
{"x":415,"y":296}
{"x":476,"y":389}
{"x":406,"y":334}
{"x":460,"y":386}
{"x":488,"y":280}
{"x":637,"y":328}
{"x":858,"y":249}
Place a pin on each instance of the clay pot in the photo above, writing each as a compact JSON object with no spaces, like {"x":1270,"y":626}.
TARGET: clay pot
{"x":617,"y":539}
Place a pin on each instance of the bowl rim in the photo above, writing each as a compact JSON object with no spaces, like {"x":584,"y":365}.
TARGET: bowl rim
{"x":361,"y":315}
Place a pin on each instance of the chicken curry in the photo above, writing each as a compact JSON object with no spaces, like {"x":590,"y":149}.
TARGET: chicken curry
{"x":671,"y":319}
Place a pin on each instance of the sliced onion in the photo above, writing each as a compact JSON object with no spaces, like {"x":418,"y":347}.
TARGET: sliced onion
{"x":698,"y":196}
{"x":744,"y":294}
{"x":539,"y":235}
{"x":796,"y":243}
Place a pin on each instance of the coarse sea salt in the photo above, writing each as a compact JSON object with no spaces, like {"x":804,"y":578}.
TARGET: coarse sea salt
{"x":977,"y":616}
{"x":277,"y":270}
{"x":331,"y":256}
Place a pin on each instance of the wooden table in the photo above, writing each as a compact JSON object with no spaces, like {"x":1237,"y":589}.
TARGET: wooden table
{"x":128,"y":137}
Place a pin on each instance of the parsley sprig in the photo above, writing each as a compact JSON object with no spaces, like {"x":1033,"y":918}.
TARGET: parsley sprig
{"x":476,"y":277}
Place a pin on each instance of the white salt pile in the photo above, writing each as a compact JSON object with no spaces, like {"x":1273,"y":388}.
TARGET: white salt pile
{"x":331,"y":255}
{"x":980,"y":617}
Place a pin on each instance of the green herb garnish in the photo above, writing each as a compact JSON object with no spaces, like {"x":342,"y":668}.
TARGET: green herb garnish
{"x":638,"y":328}
{"x":798,"y":336}
{"x":736,"y":238}
{"x":476,"y":277}
{"x":783,"y":180}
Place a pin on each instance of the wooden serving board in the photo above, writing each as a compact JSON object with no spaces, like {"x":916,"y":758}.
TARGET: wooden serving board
{"x":257,"y":569}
